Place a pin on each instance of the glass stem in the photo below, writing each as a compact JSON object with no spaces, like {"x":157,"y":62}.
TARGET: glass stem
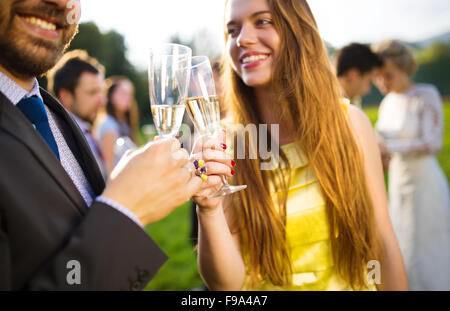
{"x":224,"y":180}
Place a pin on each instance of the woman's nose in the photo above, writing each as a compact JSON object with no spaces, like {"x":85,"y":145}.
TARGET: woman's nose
{"x":247,"y":36}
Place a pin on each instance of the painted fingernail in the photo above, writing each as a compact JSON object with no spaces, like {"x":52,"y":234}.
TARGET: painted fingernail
{"x":196,"y":164}
{"x":232,"y":173}
{"x":204,"y":177}
{"x":224,"y":147}
{"x":203,"y":170}
{"x":233,"y":164}
{"x":201,"y":163}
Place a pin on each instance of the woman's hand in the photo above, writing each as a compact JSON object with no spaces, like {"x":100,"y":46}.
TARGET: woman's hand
{"x":216,"y":163}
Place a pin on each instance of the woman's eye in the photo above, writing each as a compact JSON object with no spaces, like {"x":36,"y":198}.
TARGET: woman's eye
{"x":232,"y":32}
{"x":264,"y":22}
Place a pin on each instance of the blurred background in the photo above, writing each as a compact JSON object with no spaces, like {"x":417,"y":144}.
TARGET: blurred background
{"x":119,"y":34}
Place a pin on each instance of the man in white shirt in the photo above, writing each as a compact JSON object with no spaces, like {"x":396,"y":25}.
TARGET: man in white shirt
{"x":356,"y":67}
{"x":78,"y":83}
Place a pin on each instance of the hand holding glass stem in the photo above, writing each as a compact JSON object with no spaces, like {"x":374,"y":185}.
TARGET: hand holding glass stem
{"x":203,"y":108}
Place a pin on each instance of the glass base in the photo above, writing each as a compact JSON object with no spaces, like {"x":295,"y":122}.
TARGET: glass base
{"x":226,"y":190}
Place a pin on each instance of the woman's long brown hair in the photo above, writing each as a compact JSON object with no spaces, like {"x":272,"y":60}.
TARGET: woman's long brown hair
{"x":309,"y":98}
{"x":132,"y":115}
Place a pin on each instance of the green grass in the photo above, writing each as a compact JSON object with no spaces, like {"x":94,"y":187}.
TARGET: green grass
{"x":172,"y":234}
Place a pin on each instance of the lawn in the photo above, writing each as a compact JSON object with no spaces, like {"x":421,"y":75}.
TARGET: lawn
{"x":172,"y":234}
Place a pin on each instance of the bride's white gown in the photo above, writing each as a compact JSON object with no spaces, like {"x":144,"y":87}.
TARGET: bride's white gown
{"x":411,"y":125}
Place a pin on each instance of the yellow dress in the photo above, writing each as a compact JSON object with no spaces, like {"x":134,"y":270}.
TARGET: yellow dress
{"x":308,"y":233}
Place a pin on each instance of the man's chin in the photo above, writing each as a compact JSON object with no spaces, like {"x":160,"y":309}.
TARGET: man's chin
{"x":88,"y":120}
{"x":28,"y":62}
{"x":28,"y":56}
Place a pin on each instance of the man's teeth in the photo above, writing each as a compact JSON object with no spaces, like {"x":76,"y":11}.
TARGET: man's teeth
{"x":254,"y":58}
{"x":40,"y":23}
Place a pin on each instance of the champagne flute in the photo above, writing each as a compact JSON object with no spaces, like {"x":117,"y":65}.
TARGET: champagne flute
{"x":168,"y":75}
{"x":203,"y":108}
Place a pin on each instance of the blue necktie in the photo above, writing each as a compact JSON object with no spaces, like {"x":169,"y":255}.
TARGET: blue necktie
{"x":33,"y":108}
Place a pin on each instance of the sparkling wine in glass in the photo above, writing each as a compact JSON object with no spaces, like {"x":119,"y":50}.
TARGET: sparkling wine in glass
{"x":168,"y":76}
{"x":203,"y":108}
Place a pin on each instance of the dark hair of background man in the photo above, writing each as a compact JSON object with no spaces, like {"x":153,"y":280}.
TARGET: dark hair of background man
{"x":66,"y":74}
{"x":357,"y":56}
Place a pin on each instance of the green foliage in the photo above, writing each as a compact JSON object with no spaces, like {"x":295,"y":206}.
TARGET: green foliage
{"x":444,"y":155}
{"x":202,"y":43}
{"x":435,"y":66}
{"x":373,"y":98}
{"x":110,"y":49}
{"x":437,"y":51}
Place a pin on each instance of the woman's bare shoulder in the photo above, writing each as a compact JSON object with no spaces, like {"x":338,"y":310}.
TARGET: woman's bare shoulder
{"x":359,"y":120}
{"x":362,"y":130}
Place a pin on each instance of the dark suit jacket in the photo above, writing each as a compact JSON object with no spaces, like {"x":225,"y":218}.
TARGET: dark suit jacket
{"x":45,"y":223}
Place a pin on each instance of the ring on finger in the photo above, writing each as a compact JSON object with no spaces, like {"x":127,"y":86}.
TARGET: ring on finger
{"x":200,"y":169}
{"x":199,"y":163}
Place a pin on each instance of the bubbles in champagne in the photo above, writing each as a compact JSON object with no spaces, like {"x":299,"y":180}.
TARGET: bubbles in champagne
{"x":168,"y":119}
{"x":204,"y":113}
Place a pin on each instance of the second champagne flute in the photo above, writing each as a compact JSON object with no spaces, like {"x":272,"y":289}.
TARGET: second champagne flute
{"x":203,"y":108}
{"x":168,"y":76}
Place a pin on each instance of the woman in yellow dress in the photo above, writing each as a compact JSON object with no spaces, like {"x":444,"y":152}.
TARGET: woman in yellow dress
{"x":318,"y":221}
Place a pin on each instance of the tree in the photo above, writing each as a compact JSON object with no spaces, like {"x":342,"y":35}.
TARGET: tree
{"x":202,"y":43}
{"x":110,"y":50}
{"x":434,"y":66}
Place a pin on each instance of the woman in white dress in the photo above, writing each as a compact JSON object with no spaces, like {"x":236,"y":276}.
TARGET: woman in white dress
{"x":410,"y":127}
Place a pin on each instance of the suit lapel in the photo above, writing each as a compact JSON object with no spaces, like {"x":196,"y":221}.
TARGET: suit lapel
{"x":17,"y":125}
{"x":77,"y":143}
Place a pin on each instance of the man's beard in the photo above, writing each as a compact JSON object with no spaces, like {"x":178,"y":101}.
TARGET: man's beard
{"x":24,"y":55}
{"x":25,"y":63}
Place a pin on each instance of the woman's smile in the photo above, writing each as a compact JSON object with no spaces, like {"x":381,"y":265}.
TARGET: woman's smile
{"x":253,"y":59}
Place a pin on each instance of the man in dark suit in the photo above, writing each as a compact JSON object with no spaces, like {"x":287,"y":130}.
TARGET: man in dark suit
{"x":60,"y":227}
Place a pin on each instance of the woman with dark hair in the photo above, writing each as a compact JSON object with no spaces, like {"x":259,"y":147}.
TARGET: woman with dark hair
{"x":117,"y":130}
{"x":319,"y":220}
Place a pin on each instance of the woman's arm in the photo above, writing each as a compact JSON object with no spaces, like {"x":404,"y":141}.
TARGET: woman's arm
{"x":393,"y":272}
{"x":219,"y":256}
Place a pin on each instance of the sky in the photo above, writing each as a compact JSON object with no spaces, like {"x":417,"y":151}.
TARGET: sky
{"x":147,"y":22}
